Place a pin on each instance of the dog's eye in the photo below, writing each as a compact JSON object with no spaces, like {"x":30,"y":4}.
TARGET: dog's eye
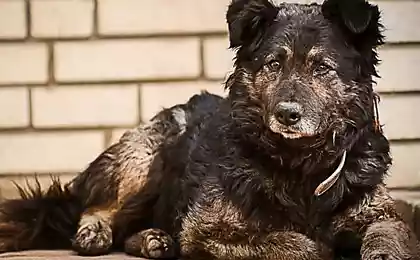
{"x":322,"y":69}
{"x":274,"y":65}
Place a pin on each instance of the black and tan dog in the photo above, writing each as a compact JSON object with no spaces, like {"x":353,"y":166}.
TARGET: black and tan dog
{"x":292,"y":161}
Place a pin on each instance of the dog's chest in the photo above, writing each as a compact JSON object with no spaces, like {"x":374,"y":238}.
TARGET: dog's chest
{"x":215,"y":219}
{"x":291,"y":195}
{"x":224,"y":221}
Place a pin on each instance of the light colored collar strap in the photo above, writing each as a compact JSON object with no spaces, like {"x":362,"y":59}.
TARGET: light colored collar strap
{"x":330,"y":181}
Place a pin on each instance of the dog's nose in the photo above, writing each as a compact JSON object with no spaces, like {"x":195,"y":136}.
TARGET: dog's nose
{"x":288,"y":113}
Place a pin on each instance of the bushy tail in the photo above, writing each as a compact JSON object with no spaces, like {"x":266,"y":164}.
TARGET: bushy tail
{"x":39,"y":219}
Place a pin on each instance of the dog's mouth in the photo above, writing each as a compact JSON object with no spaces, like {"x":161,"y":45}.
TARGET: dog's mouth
{"x":287,"y":132}
{"x":292,"y":135}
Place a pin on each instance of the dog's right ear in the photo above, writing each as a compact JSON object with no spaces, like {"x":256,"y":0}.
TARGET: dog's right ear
{"x":358,"y":19}
{"x":246,"y":20}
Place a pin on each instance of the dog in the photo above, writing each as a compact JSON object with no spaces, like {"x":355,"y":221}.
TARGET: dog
{"x":290,"y":165}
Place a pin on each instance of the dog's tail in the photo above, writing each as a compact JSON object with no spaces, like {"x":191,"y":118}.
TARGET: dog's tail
{"x":39,"y":219}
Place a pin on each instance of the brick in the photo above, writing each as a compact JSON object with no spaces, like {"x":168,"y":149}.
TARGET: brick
{"x":161,"y":16}
{"x":218,"y":59}
{"x":23,"y":63}
{"x":398,"y":68}
{"x":152,"y":100}
{"x":23,"y":153}
{"x":14,"y":107}
{"x":12,"y":19}
{"x":127,"y":59}
{"x":9,"y":191}
{"x":78,"y":106}
{"x":399,"y":116}
{"x":405,"y":171}
{"x":400,"y":20}
{"x":62,"y":18}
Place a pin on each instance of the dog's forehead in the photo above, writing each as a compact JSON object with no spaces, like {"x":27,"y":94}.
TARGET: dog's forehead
{"x":279,"y":2}
{"x":299,"y":29}
{"x":298,"y":10}
{"x":298,"y":38}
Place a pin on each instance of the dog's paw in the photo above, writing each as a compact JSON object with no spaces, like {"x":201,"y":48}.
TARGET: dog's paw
{"x":150,"y":243}
{"x":383,"y":256}
{"x":390,"y":240}
{"x":386,"y":250}
{"x":387,"y":253}
{"x":94,"y":237}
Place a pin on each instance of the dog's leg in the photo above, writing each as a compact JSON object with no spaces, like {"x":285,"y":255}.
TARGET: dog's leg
{"x":116,"y":175}
{"x":151,"y":243}
{"x":94,"y":235}
{"x":389,"y":240}
{"x":123,"y":170}
{"x":286,"y":245}
{"x":384,"y":235}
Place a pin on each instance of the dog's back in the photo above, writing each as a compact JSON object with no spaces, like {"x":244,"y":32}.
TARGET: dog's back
{"x":87,"y":205}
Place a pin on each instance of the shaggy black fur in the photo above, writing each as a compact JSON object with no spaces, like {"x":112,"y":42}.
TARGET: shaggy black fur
{"x":235,"y":178}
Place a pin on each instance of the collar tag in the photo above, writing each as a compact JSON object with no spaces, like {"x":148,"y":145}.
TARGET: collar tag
{"x":330,"y":181}
{"x":377,"y":124}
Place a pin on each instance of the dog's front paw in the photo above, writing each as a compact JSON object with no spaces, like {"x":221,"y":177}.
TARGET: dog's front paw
{"x":381,"y":254}
{"x":389,"y":241}
{"x":150,"y":243}
{"x":387,"y":254}
{"x":94,"y":237}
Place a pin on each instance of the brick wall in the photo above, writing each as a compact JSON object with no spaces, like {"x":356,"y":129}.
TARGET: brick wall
{"x":75,"y":73}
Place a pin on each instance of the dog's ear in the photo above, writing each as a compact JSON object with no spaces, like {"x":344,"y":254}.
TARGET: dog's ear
{"x":359,"y":20}
{"x":246,"y":20}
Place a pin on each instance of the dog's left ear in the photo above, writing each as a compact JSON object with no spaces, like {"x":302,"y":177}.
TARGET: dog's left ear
{"x":247,"y":20}
{"x":358,"y":19}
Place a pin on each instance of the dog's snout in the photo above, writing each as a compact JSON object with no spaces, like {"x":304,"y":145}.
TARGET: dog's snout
{"x":288,"y":113}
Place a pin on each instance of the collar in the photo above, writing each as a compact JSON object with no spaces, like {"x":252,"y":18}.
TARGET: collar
{"x":332,"y":179}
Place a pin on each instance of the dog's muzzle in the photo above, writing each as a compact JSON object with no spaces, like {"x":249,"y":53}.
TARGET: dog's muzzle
{"x":288,"y":113}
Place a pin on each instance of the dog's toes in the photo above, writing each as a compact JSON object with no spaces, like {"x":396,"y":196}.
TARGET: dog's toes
{"x":93,"y":238}
{"x":150,"y":243}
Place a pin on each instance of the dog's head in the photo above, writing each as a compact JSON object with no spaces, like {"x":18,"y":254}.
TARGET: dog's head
{"x":302,"y":70}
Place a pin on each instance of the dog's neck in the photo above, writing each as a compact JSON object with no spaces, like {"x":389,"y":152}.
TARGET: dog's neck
{"x":324,"y":179}
{"x":325,"y":162}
